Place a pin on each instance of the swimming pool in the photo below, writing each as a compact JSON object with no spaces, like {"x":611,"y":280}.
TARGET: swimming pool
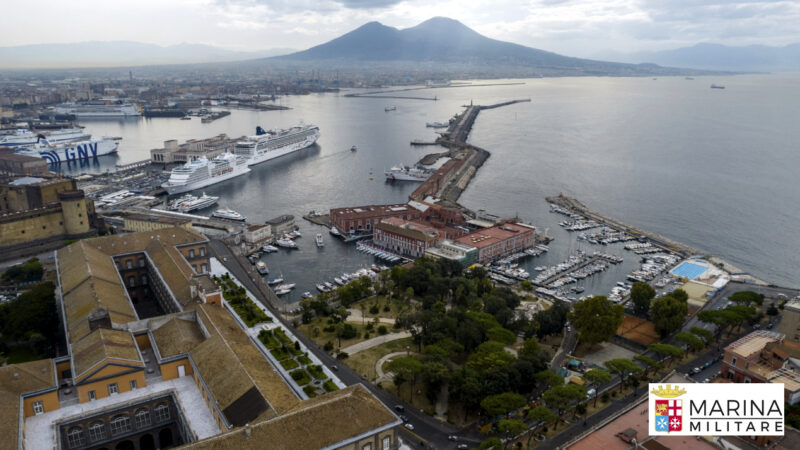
{"x":689,"y":270}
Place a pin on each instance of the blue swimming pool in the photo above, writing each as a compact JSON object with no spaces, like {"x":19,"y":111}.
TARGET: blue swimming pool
{"x":689,"y":270}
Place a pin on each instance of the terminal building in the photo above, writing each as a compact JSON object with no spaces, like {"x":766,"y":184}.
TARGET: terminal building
{"x":191,"y":150}
{"x":157,"y":359}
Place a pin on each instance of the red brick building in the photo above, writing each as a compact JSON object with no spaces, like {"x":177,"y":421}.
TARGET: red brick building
{"x":406,"y":237}
{"x":500,"y":240}
{"x":764,"y":357}
{"x":364,"y":218}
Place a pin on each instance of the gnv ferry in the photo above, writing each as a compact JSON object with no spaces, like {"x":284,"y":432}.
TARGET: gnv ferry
{"x":266,"y":145}
{"x":70,"y":151}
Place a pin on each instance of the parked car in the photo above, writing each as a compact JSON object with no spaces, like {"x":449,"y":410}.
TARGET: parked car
{"x":452,"y":437}
{"x":462,"y":446}
{"x":399,"y":408}
{"x":408,"y":425}
{"x":696,"y":370}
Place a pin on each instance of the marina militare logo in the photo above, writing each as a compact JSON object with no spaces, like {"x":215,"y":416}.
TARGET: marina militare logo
{"x":668,"y":413}
{"x":716,"y":409}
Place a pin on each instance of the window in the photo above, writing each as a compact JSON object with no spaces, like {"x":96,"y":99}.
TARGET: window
{"x":367,"y":446}
{"x":203,"y":268}
{"x":129,"y":264}
{"x":733,"y":361}
{"x":96,"y":431}
{"x":746,"y":379}
{"x":142,"y":418}
{"x":387,"y":443}
{"x":162,"y":412}
{"x":202,"y":251}
{"x":141,"y":262}
{"x":113,"y":388}
{"x":191,"y":253}
{"x":133,"y":384}
{"x":92,"y":395}
{"x":120,"y":424}
{"x":143,"y":279}
{"x":38,"y":407}
{"x":75,"y":437}
{"x":131,"y":281}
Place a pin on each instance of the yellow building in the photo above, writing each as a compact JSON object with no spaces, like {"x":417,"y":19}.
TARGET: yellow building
{"x":146,"y":222}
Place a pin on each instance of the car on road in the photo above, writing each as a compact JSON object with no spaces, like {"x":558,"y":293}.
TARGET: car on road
{"x":591,"y":393}
{"x":462,"y":446}
{"x":452,"y":438}
{"x":399,"y":408}
{"x":408,"y":425}
{"x":696,"y":370}
{"x":404,"y":419}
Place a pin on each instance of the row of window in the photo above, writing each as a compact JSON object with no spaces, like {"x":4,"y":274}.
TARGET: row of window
{"x":386,"y":444}
{"x":118,"y":424}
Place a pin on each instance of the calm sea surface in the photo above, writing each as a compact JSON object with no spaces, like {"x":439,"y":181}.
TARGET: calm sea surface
{"x":715,"y":169}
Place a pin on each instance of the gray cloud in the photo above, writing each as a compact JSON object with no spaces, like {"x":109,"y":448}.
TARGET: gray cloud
{"x":368,"y":4}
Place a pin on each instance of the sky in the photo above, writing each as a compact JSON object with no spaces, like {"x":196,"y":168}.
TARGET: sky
{"x":570,"y":27}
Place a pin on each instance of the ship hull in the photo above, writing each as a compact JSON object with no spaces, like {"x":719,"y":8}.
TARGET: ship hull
{"x":72,"y":152}
{"x":181,"y":188}
{"x":272,"y":154}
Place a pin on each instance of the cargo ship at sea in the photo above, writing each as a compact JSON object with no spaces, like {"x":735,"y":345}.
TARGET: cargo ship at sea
{"x":69,"y":151}
{"x":205,"y":172}
{"x":99,"y":109}
{"x":267,"y":145}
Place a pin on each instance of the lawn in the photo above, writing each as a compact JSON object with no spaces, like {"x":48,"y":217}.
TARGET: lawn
{"x":330,"y":386}
{"x":280,"y":354}
{"x":310,"y":391}
{"x":364,"y":361}
{"x":395,"y":307}
{"x":316,"y":371}
{"x":289,"y":364}
{"x":301,"y":377}
{"x":322,"y":337}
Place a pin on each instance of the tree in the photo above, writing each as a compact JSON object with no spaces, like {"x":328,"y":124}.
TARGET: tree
{"x":549,"y":378}
{"x":530,"y":348}
{"x":649,"y":362}
{"x":495,"y":405}
{"x":691,"y":341}
{"x":405,"y":369}
{"x":541,"y":414}
{"x":492,"y":443}
{"x":489,"y":355}
{"x":551,"y":321}
{"x":739,"y":314}
{"x":596,"y":319}
{"x":641,"y":296}
{"x":702,"y":333}
{"x":512,"y":427}
{"x":747,"y":298}
{"x":666,"y":350}
{"x":668,"y":313}
{"x":623,"y":368}
{"x":772,"y":310}
{"x":561,"y":397}
{"x":598,"y":377}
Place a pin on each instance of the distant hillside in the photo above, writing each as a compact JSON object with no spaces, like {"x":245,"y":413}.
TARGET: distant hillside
{"x":447,"y":41}
{"x":119,"y":53}
{"x":722,"y":57}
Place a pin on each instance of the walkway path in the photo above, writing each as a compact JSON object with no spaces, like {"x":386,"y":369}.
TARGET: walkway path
{"x":369,"y":343}
{"x":379,"y":367}
{"x":355,"y":315}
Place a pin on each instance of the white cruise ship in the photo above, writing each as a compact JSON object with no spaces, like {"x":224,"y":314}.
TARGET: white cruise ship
{"x":69,"y":151}
{"x":204,"y":172}
{"x":97,"y":109}
{"x":405,"y":173}
{"x":266,"y":145}
{"x":23,"y":137}
{"x":190,"y":203}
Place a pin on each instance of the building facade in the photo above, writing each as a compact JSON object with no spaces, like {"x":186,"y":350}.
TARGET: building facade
{"x":500,"y":240}
{"x":464,"y":254}
{"x":362,"y":219}
{"x":255,"y":234}
{"x":191,"y":150}
{"x":764,"y":357}
{"x":405,"y":237}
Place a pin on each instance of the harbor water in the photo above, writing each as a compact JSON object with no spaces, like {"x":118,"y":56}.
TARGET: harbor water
{"x":712,"y":168}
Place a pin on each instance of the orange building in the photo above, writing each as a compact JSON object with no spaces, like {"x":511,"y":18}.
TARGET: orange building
{"x":500,"y":240}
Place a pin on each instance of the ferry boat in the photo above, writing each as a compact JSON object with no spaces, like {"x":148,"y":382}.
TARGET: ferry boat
{"x":267,"y":145}
{"x":229,"y":214}
{"x":320,"y":242}
{"x":262,"y":268}
{"x":190,"y":203}
{"x":437,"y":125}
{"x":203,"y":172}
{"x":97,"y":109}
{"x":69,"y":151}
{"x":23,"y":137}
{"x":405,"y":173}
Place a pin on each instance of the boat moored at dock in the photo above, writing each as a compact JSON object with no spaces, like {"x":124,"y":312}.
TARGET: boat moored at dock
{"x":267,"y":145}
{"x":190,"y":203}
{"x":69,"y":151}
{"x":204,"y":172}
{"x":405,"y":173}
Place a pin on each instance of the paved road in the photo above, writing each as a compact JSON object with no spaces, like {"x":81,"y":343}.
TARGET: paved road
{"x":426,"y":429}
{"x":369,"y":343}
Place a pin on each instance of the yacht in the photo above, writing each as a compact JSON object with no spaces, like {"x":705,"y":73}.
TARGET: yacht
{"x":282,"y":291}
{"x":269,"y":248}
{"x":328,"y":285}
{"x":203,"y":172}
{"x":23,"y":137}
{"x":190,"y":203}
{"x":320,"y":242}
{"x":405,"y":173}
{"x":322,"y":288}
{"x":339,"y":281}
{"x":289,"y":286}
{"x":286,"y":243}
{"x":261,"y":267}
{"x":274,"y":280}
{"x":437,"y":125}
{"x":229,"y":214}
{"x":334,"y":231}
{"x":307,"y":294}
{"x":267,"y":145}
{"x":69,"y":151}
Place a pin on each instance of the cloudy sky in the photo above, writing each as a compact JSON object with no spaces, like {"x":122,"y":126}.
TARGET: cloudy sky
{"x":571,"y":27}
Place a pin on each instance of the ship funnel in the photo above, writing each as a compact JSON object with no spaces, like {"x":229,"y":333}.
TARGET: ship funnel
{"x":260,"y":131}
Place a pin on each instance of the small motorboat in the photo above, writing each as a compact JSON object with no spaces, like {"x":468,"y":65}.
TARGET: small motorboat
{"x":319,"y":240}
{"x":353,"y":148}
{"x":282,"y":291}
{"x":339,"y":281}
{"x":275,"y":280}
{"x":262,"y":268}
{"x":307,"y":294}
{"x":289,"y":286}
{"x":322,"y":288}
{"x":334,"y":231}
{"x":269,"y":248}
{"x":329,"y":285}
{"x":286,"y":243}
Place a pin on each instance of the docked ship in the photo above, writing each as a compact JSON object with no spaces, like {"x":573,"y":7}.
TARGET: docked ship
{"x":204,"y":172}
{"x":437,"y":125}
{"x":99,"y":109}
{"x":266,"y":145}
{"x":69,"y":151}
{"x":23,"y":137}
{"x":190,"y":203}
{"x":229,"y":214}
{"x":405,"y":173}
{"x":717,"y":86}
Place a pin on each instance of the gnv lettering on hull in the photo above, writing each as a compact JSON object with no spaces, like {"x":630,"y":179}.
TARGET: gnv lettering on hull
{"x":82,"y":151}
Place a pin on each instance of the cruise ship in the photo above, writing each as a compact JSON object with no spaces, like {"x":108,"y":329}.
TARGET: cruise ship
{"x":98,"y":109}
{"x":229,"y":214}
{"x":266,"y":145}
{"x":69,"y":151}
{"x":405,"y":173}
{"x":23,"y":137}
{"x":204,"y":172}
{"x":190,"y":203}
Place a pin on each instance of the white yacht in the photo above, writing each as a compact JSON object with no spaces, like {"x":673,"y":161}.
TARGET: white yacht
{"x":23,"y":137}
{"x":69,"y":151}
{"x":320,"y":242}
{"x":269,"y":248}
{"x":286,"y":286}
{"x":286,"y":243}
{"x":262,"y":268}
{"x":405,"y":173}
{"x":203,"y":172}
{"x":335,"y":231}
{"x":189,"y":203}
{"x":229,"y":214}
{"x":266,"y":145}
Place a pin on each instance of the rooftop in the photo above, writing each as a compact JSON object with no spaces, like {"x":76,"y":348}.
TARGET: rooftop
{"x":177,"y":336}
{"x":157,"y":219}
{"x":753,"y":343}
{"x":492,"y":235}
{"x":16,"y":379}
{"x":357,"y":212}
{"x":411,"y":229}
